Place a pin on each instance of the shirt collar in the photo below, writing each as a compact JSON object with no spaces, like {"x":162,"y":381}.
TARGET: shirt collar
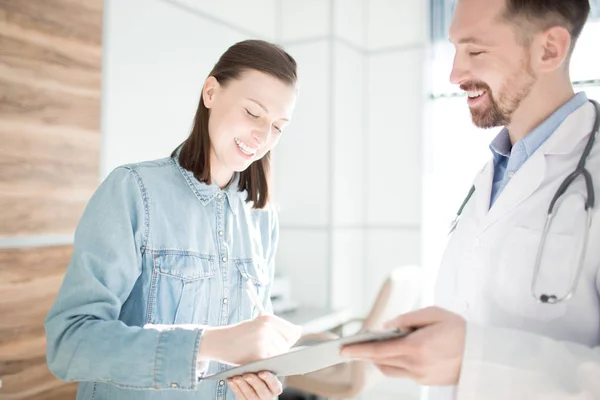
{"x":207,"y":193}
{"x":539,"y":135}
{"x":501,"y":146}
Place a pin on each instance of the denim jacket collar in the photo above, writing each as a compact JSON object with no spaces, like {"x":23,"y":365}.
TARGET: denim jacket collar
{"x":207,"y":193}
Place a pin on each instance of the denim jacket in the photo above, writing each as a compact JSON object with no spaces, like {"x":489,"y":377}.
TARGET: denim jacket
{"x":156,"y":246}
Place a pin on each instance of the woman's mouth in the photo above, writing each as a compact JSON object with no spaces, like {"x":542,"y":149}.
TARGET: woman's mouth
{"x":244,"y":148}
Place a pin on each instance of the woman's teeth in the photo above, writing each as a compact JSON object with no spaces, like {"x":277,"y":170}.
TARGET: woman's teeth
{"x":245,"y":148}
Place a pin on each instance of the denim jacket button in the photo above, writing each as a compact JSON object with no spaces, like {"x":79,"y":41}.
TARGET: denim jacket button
{"x":221,"y":383}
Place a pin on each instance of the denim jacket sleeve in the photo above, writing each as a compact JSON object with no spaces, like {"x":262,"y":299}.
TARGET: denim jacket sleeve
{"x":85,"y":339}
{"x":271,"y":260}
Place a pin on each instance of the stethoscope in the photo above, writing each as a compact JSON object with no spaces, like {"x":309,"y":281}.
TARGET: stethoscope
{"x":589,"y":205}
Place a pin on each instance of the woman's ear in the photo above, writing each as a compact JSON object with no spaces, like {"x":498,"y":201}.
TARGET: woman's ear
{"x":211,"y":85}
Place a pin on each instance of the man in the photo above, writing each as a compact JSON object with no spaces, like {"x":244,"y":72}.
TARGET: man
{"x":502,"y":330}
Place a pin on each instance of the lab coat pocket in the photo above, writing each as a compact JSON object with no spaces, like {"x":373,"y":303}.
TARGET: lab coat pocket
{"x":514,"y":273}
{"x":254,"y":271}
{"x":181,"y":288}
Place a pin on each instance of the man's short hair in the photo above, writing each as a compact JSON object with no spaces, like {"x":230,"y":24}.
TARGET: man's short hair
{"x":534,"y":16}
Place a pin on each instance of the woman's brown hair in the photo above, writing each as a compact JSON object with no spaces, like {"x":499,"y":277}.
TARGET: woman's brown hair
{"x":195,"y":152}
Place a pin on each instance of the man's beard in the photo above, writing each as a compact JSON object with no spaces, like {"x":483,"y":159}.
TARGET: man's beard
{"x":499,"y":112}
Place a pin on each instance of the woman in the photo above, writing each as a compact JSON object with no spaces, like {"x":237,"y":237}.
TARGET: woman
{"x":154,"y":296}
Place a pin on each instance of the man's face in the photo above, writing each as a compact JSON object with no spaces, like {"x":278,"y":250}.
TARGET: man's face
{"x":491,"y":63}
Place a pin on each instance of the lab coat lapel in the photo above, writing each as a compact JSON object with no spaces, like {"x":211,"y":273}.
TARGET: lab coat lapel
{"x":483,"y":189}
{"x":573,"y":131}
{"x":529,"y":177}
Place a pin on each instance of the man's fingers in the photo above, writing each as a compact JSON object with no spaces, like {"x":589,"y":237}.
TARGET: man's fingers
{"x":416,"y":319}
{"x":395,"y":362}
{"x":272,"y":382}
{"x":393,"y":372}
{"x":386,"y":349}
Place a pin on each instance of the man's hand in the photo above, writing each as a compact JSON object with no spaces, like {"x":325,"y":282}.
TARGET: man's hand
{"x":431,"y":355}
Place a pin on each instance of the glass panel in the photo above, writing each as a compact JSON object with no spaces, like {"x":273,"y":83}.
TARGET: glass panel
{"x":592,"y":92}
{"x":442,"y":10}
{"x":585,"y":63}
{"x":455,"y":151}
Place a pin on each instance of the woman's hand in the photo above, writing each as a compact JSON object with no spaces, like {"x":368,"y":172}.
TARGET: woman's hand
{"x":262,"y":337}
{"x":261,"y":386}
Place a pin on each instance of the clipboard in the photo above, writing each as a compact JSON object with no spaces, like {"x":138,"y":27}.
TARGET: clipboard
{"x":301,"y":360}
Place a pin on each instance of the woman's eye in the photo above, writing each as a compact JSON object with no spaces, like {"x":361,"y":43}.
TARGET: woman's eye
{"x":278,"y":129}
{"x":475,"y":53}
{"x":250,"y":114}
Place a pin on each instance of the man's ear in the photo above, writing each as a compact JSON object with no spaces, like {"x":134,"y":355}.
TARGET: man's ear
{"x":551,"y":48}
{"x":211,"y":86}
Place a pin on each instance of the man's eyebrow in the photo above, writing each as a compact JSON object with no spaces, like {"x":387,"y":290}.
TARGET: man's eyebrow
{"x":469,"y":39}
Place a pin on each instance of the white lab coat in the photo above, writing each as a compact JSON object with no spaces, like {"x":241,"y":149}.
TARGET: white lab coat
{"x":517,"y":348}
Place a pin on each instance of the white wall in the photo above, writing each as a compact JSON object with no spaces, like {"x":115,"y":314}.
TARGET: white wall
{"x":348,"y":169}
{"x":354,"y":148}
{"x":157,"y":54}
{"x":396,"y":45}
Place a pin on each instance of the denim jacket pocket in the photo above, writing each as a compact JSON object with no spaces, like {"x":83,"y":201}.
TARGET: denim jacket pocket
{"x":254,"y":271}
{"x":181,"y":287}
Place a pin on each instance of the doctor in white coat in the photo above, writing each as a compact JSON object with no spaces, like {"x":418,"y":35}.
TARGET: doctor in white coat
{"x":501,"y":330}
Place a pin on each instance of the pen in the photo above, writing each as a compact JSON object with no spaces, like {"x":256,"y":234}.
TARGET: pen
{"x":254,"y":298}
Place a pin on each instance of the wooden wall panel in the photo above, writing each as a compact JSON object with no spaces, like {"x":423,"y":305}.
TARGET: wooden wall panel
{"x":29,"y":281}
{"x":50,"y":71}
